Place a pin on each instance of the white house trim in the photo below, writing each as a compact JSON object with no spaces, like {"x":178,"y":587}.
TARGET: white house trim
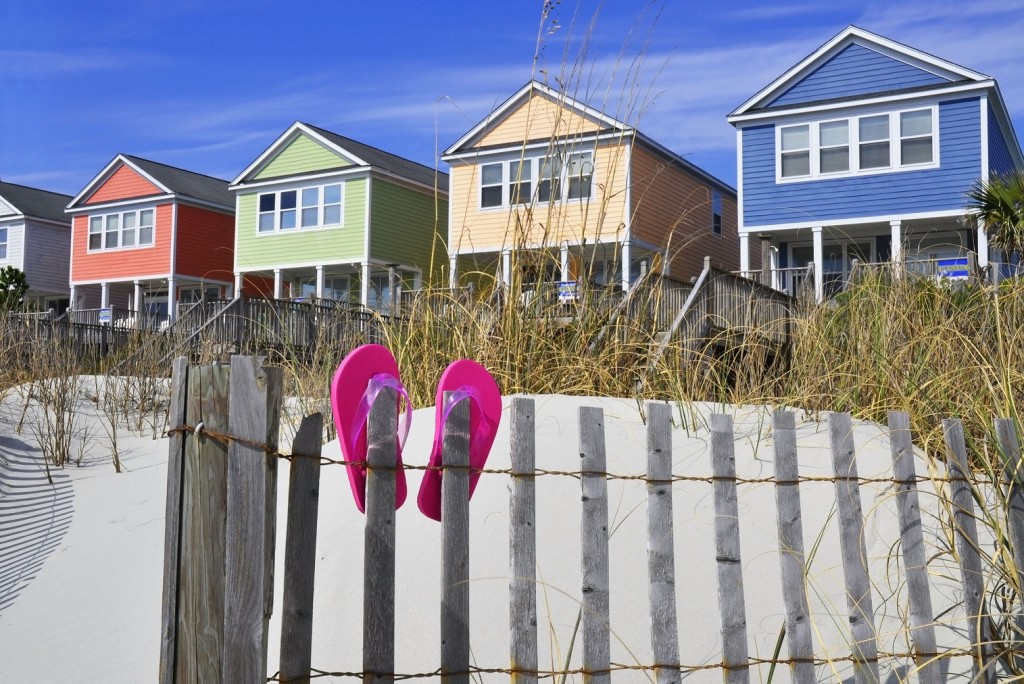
{"x":983,"y":113}
{"x":854,"y":221}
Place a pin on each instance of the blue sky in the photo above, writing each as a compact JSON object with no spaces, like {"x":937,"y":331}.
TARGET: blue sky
{"x":208,"y":86}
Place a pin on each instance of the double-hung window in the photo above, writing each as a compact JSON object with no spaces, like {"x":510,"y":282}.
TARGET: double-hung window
{"x":317,"y":206}
{"x":3,"y":243}
{"x":124,"y":230}
{"x":545,"y":178}
{"x":716,"y":212}
{"x":872,"y":143}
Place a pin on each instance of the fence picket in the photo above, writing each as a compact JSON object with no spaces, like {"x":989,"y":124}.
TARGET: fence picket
{"x":731,"y":601}
{"x":1013,"y":477}
{"x":251,"y":503}
{"x":853,"y":550}
{"x":792,"y":560}
{"x":455,"y":546}
{"x":300,"y":552}
{"x":915,"y":559}
{"x":594,"y":543}
{"x":522,"y":542}
{"x":966,"y":526}
{"x":173,"y":521}
{"x":379,"y":540}
{"x":661,"y":550}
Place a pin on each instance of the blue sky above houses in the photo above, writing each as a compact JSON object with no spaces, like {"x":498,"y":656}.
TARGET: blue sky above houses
{"x":208,"y":86}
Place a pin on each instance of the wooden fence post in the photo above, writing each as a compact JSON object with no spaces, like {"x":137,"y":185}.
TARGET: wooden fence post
{"x":792,"y":560}
{"x":1013,"y":479}
{"x":915,"y":560}
{"x":300,"y":551}
{"x":522,"y":542}
{"x":594,"y":541}
{"x":731,"y":599}
{"x":379,"y":540}
{"x":455,"y":545}
{"x":661,"y":564}
{"x":853,"y":550}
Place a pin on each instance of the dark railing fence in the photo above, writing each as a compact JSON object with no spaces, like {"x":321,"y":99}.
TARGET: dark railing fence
{"x":219,"y":547}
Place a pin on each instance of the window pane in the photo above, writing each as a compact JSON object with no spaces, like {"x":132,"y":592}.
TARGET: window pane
{"x":146,"y":234}
{"x":916,"y":151}
{"x":519,"y":187}
{"x":111,"y":241}
{"x":490,"y":196}
{"x":332,"y":215}
{"x":834,"y":133}
{"x":579,"y":188}
{"x":332,"y":194}
{"x":113,"y":221}
{"x":835,"y":159}
{"x":916,"y":123}
{"x":581,"y":170}
{"x":796,"y":164}
{"x":266,"y":223}
{"x":490,"y":174}
{"x":267,"y":202}
{"x":309,"y":217}
{"x":146,"y":217}
{"x":548,"y":190}
{"x":874,"y":155}
{"x":288,"y":199}
{"x":874,"y":128}
{"x":95,"y":241}
{"x":128,"y":238}
{"x":796,"y":138}
{"x":129,"y":221}
{"x":310,"y":197}
{"x":96,"y":224}
{"x":287,"y":217}
{"x":113,"y":224}
{"x":519,"y":171}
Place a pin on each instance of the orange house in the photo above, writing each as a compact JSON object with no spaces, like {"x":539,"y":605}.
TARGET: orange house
{"x":147,"y":237}
{"x":600,"y":202}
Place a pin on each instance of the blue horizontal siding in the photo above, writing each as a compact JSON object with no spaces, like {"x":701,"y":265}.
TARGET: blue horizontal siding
{"x":766,"y":202}
{"x":999,"y":159}
{"x":855,"y":70}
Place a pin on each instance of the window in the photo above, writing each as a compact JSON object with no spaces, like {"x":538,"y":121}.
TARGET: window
{"x":554,"y":178}
{"x":872,"y":143}
{"x":334,"y":288}
{"x":716,"y":212}
{"x":125,"y":230}
{"x":318,"y":206}
{"x":3,"y":243}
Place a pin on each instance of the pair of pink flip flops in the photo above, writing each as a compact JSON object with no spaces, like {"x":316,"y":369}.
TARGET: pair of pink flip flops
{"x":370,"y":368}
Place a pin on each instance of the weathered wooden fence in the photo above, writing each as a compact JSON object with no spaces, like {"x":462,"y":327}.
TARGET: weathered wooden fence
{"x":220,"y":543}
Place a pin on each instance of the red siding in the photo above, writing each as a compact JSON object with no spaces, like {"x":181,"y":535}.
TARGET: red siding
{"x":254,"y":286}
{"x":124,"y":183}
{"x":206,"y":243}
{"x":143,"y":262}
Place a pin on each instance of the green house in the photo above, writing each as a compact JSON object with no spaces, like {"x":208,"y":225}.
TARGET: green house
{"x":321,"y":215}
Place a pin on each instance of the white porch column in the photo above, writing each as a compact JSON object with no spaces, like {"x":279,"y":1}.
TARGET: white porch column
{"x":745,"y":254}
{"x":238,"y":286}
{"x":364,"y":284}
{"x":137,"y":302}
{"x":506,"y":267}
{"x":172,"y":300}
{"x":627,"y":261}
{"x":319,"y":282}
{"x":72,"y":295}
{"x":563,"y":256}
{"x":819,"y":265}
{"x":775,"y":268}
{"x":453,"y":272}
{"x":896,"y":247}
{"x":278,"y":283}
{"x":983,"y":255}
{"x":104,"y":295}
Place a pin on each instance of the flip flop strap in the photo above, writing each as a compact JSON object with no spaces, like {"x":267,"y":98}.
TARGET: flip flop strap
{"x":466,"y":391}
{"x":373,"y":388}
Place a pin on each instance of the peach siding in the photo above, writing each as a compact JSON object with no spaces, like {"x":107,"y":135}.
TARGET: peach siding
{"x":124,"y":183}
{"x":119,"y":264}
{"x":205,"y":244}
{"x":544,"y":224}
{"x":672,"y":208}
{"x":536,"y":118}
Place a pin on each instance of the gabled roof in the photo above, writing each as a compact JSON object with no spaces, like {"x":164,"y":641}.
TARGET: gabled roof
{"x":518,"y":98}
{"x":947,"y":71}
{"x":353,"y":151}
{"x":35,"y":203}
{"x":169,"y":179}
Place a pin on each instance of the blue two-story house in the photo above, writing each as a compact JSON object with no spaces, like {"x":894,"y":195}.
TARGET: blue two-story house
{"x":865,"y":150}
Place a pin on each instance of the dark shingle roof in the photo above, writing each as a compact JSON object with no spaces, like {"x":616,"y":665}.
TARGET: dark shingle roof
{"x":36,"y":203}
{"x":386,"y":161}
{"x":186,"y":183}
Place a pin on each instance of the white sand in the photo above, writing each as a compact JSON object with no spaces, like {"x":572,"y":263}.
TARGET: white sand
{"x":81,"y":561}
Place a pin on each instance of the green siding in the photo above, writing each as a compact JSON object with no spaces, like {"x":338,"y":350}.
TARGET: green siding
{"x":404,"y":228}
{"x":302,"y":155}
{"x":332,"y":245}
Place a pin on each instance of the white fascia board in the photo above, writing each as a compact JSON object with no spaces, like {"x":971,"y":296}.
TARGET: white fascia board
{"x":830,"y":223}
{"x":504,"y":108}
{"x":118,"y":204}
{"x":855,"y":35}
{"x":282,"y":140}
{"x":855,"y":104}
{"x":107,"y":171}
{"x":471,"y":156}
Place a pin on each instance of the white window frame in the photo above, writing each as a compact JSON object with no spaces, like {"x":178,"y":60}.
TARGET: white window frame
{"x":532,"y":165}
{"x":896,"y":164}
{"x":716,"y":213}
{"x":3,"y":243}
{"x":105,"y":221}
{"x":300,"y":190}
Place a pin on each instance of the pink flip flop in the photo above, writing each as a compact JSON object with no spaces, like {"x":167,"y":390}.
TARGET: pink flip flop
{"x":357,"y":382}
{"x":464,"y":378}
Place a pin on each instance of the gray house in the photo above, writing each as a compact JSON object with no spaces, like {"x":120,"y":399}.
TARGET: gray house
{"x":35,"y":236}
